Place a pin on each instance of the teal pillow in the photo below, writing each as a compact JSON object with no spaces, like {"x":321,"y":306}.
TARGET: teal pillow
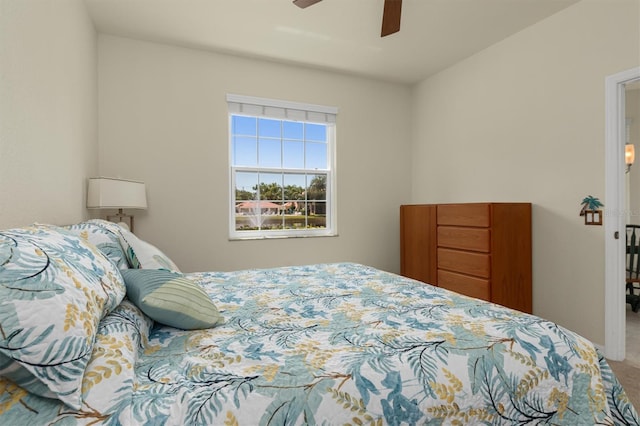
{"x":169,"y":298}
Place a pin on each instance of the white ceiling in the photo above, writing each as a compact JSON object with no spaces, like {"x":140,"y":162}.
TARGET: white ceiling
{"x":340,"y":35}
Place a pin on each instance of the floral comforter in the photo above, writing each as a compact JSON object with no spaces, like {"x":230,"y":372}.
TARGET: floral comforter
{"x":335,"y":344}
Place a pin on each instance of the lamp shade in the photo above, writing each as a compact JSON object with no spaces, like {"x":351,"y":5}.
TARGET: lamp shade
{"x":629,"y":154}
{"x":112,"y":193}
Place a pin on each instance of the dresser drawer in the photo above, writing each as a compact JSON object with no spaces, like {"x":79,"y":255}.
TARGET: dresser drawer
{"x":478,"y":215}
{"x":476,"y":239}
{"x":464,"y":284}
{"x":476,"y":264}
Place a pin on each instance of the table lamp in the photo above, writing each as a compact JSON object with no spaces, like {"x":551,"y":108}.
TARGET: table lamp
{"x":114,"y":193}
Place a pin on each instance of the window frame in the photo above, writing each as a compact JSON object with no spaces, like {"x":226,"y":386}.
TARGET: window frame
{"x":284,"y":111}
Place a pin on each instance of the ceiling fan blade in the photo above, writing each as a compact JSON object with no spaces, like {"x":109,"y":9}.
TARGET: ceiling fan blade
{"x":391,"y":17}
{"x":305,"y":3}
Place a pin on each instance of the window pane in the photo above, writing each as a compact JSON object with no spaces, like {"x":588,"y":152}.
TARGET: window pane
{"x":293,"y":154}
{"x":270,"y":203}
{"x":246,"y":184}
{"x":316,"y":156}
{"x":241,"y":125}
{"x":269,"y":154}
{"x":269,"y":128}
{"x":294,"y":187}
{"x":295,"y":221}
{"x":316,"y":187}
{"x":247,"y":216}
{"x":271,"y":188}
{"x":272,"y":221}
{"x":293,"y":130}
{"x":295,"y":208}
{"x":315,"y":132}
{"x":245,"y":151}
{"x":317,"y":214}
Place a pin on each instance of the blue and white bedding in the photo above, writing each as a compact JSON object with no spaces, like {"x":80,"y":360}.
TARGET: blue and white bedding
{"x":319,"y":344}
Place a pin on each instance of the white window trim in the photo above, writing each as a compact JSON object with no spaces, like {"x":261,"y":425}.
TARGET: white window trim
{"x":275,"y":108}
{"x":293,"y":111}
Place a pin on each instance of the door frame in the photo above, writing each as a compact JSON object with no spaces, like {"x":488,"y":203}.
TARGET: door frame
{"x":615,"y":215}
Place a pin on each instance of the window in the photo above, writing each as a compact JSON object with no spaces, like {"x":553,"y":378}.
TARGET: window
{"x":282,"y":168}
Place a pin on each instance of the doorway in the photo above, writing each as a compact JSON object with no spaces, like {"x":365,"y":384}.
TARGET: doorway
{"x":615,"y":131}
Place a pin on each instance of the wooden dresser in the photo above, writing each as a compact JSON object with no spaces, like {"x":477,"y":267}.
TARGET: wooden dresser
{"x":482,"y":250}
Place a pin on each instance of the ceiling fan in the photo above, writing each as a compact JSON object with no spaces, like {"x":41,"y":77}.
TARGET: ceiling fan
{"x":390,"y":14}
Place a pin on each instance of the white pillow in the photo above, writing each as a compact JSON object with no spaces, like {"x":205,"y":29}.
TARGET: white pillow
{"x":142,"y":255}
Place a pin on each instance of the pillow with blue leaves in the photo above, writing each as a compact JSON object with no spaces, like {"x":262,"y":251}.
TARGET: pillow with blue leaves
{"x":55,"y":287}
{"x":106,"y":236}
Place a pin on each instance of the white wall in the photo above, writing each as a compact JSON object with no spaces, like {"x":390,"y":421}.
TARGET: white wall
{"x":163,"y":120}
{"x":524,"y":121}
{"x":48,"y":110}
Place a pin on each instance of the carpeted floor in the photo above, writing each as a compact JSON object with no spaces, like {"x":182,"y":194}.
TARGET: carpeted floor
{"x":632,"y":341}
{"x":628,"y":372}
{"x":629,"y":377}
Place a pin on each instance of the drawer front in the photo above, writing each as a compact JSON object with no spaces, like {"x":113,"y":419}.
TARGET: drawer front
{"x":475,"y":239}
{"x":478,"y":215}
{"x":476,"y":264}
{"x":464,"y":284}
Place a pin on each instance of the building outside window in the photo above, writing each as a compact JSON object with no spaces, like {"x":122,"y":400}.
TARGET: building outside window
{"x":282,"y":165}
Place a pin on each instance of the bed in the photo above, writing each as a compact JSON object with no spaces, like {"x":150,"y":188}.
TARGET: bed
{"x":84,"y":312}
